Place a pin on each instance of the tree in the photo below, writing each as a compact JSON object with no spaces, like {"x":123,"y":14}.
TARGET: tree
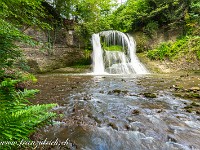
{"x":135,"y":14}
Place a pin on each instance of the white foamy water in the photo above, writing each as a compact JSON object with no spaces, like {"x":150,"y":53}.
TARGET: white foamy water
{"x":124,"y":61}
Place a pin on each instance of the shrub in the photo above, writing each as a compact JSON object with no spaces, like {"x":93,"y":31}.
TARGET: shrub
{"x":160,"y":53}
{"x":151,"y":28}
{"x":171,"y":50}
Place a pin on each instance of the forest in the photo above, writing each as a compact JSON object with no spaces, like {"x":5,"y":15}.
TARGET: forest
{"x":19,"y":118}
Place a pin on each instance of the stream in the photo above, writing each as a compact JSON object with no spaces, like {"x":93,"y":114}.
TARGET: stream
{"x":118,"y":112}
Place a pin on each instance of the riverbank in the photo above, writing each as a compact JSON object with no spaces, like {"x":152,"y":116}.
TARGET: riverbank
{"x":180,"y":66}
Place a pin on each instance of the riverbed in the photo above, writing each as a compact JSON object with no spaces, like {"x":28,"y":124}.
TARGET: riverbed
{"x":116,"y":112}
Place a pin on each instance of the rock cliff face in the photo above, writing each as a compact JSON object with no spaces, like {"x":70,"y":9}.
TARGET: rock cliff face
{"x":41,"y":62}
{"x":65,"y":50}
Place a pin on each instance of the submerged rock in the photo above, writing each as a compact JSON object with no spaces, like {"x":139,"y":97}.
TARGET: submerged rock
{"x":127,"y":127}
{"x":198,"y":112}
{"x":113,"y":125}
{"x":150,"y":95}
{"x":171,"y":138}
{"x":87,"y":97}
{"x":102,"y":92}
{"x":136,"y":112}
{"x":118,"y":92}
{"x":195,"y":104}
{"x":130,"y":119}
{"x":188,"y":107}
{"x":160,"y":110}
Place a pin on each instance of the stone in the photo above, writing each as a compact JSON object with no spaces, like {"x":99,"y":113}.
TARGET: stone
{"x":136,"y":112}
{"x":171,"y":138}
{"x":150,"y":95}
{"x":198,"y":112}
{"x":195,"y":89}
{"x":113,"y":125}
{"x":159,"y":111}
{"x":127,"y":126}
{"x":195,"y":104}
{"x":188,"y":107}
{"x":130,"y":119}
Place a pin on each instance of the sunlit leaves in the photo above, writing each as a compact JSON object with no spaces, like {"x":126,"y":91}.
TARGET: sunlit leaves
{"x":136,"y":14}
{"x":19,"y":12}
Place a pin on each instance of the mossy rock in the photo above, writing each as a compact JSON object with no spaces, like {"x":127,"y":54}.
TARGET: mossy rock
{"x":150,"y":95}
{"x":195,"y":104}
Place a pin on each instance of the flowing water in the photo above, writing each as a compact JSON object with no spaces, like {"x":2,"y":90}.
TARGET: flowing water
{"x":118,"y":112}
{"x":113,"y":113}
{"x":121,"y":61}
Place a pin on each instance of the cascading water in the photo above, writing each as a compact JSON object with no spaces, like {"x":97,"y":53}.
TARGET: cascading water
{"x":98,"y":65}
{"x":115,"y":53}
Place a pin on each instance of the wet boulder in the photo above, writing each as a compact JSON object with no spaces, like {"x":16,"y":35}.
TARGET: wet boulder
{"x":87,"y":97}
{"x":113,"y":125}
{"x":194,"y":89}
{"x":130,"y":119}
{"x":136,"y":112}
{"x":195,"y":104}
{"x":118,"y":92}
{"x":150,"y":95}
{"x":171,"y":138}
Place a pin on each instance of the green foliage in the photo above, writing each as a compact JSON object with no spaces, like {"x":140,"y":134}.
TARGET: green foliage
{"x":195,"y":10}
{"x":142,"y":41}
{"x":18,"y":119}
{"x":85,"y":61}
{"x":136,"y":14}
{"x":113,"y":48}
{"x":151,"y":28}
{"x":128,"y":14}
{"x":179,"y":48}
{"x":92,"y":17}
{"x":10,"y":54}
{"x":192,"y":18}
{"x":162,"y":51}
{"x":14,"y":14}
{"x":23,"y":12}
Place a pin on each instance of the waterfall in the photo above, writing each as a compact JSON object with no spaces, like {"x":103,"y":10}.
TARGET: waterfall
{"x":115,"y":53}
{"x":97,"y":55}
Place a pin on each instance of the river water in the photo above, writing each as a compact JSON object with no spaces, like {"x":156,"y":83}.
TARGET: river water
{"x":136,"y":112}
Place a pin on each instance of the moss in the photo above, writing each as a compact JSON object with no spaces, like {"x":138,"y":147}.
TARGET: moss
{"x":195,"y":95}
{"x":195,"y":104}
{"x":178,"y":94}
{"x":113,"y":48}
{"x":150,"y":95}
{"x":189,"y":110}
{"x":188,"y":107}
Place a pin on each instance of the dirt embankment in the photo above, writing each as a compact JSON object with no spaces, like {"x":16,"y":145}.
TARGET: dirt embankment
{"x":181,"y":65}
{"x":187,"y":63}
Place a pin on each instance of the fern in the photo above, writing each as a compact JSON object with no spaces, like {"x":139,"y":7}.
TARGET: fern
{"x":19,"y":119}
